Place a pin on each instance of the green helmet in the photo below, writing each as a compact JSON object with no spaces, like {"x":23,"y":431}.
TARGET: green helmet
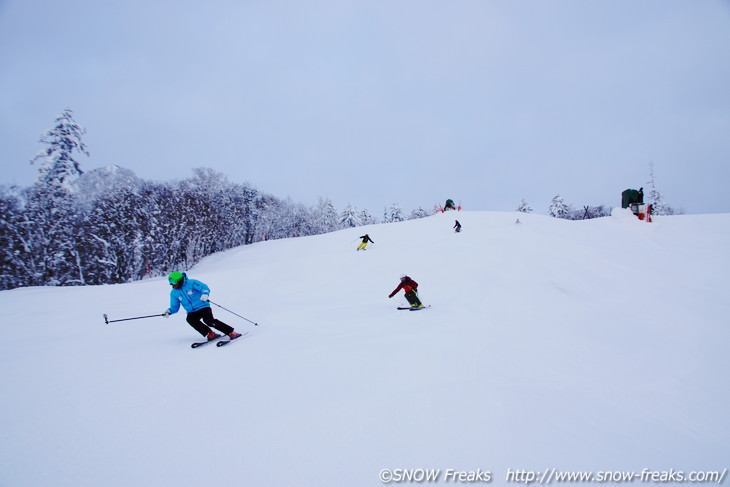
{"x":175,"y":277}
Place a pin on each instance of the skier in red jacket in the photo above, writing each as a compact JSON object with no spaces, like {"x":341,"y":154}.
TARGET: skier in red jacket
{"x":411,"y":291}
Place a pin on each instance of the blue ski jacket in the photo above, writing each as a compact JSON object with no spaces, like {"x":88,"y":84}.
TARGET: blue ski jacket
{"x":189,"y":296}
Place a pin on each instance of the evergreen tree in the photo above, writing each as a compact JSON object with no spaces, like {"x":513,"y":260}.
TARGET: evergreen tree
{"x":50,"y":216}
{"x":524,"y":207}
{"x":559,"y":208}
{"x":366,"y":218}
{"x":48,"y":224}
{"x":349,"y":217}
{"x":419,"y":213}
{"x":393,"y":214}
{"x":58,"y":166}
{"x":659,"y":207}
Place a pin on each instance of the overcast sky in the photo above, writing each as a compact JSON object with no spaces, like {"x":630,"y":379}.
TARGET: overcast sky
{"x":374,"y":102}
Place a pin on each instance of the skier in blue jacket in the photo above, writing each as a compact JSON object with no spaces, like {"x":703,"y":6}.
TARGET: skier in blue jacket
{"x":193,"y":295}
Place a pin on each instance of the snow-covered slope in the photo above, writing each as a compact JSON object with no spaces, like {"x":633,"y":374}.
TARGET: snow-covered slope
{"x":596,"y":345}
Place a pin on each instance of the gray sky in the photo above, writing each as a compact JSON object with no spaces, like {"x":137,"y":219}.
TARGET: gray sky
{"x":372,"y":102}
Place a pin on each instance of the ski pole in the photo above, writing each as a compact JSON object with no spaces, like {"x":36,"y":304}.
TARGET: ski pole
{"x":233,"y":312}
{"x":107,"y":320}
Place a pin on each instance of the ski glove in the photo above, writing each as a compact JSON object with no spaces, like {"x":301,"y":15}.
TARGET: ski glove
{"x":204,"y":297}
{"x":166,"y":314}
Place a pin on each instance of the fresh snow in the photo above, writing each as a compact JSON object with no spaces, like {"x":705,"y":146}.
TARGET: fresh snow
{"x":597,"y":345}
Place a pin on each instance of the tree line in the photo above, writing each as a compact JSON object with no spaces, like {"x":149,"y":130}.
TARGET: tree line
{"x":107,"y":226}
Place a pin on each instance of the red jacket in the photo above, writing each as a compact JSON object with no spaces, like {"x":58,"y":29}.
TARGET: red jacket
{"x":406,"y":285}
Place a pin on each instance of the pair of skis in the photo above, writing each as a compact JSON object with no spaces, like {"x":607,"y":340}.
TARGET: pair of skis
{"x":414,"y":308}
{"x":220,"y":343}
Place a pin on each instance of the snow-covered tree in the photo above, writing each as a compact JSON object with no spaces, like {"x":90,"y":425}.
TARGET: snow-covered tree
{"x":589,"y":212}
{"x":326,"y":218}
{"x":275,"y":219}
{"x":299,"y":220}
{"x":47,"y":230}
{"x":393,"y":214}
{"x":97,"y":182}
{"x":11,"y":246}
{"x":419,"y":213}
{"x":58,"y":166}
{"x":659,"y":207}
{"x":366,"y":218}
{"x":559,"y":208}
{"x":524,"y":207}
{"x":349,"y":217}
{"x":47,"y":227}
{"x":203,"y":197}
{"x":242,"y":215}
{"x":113,"y":238}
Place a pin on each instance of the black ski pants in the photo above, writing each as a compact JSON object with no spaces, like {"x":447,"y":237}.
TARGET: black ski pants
{"x":412,"y":298}
{"x":199,"y":319}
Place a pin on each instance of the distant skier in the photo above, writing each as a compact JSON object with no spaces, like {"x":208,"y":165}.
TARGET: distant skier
{"x":457,"y":226}
{"x":193,"y":295}
{"x":365,"y":239}
{"x":410,"y":287}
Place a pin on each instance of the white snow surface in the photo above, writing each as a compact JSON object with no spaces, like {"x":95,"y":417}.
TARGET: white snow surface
{"x":590,"y":345}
